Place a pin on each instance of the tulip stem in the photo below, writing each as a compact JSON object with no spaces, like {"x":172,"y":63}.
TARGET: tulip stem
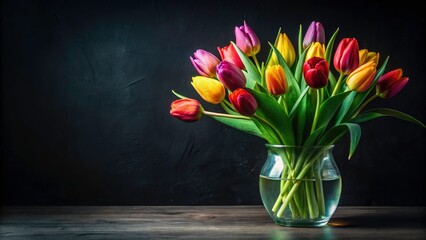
{"x":256,"y":62}
{"x":215,"y":114}
{"x":317,"y":107}
{"x":363,"y":106}
{"x":338,"y":84}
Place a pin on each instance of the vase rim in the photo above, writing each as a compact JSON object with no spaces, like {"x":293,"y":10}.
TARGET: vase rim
{"x":297,"y":146}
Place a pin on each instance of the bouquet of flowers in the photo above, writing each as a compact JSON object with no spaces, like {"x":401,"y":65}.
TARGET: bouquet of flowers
{"x":294,"y":97}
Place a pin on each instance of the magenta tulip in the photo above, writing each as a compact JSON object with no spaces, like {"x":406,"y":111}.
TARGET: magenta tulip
{"x":230,"y":75}
{"x":205,"y":63}
{"x":247,"y":40}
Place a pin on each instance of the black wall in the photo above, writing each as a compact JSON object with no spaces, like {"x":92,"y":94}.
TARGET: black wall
{"x":86,"y":90}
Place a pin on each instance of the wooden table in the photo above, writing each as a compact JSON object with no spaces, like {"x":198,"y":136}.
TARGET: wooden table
{"x":203,"y":222}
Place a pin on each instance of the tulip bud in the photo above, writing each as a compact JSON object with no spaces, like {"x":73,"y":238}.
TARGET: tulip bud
{"x":315,"y":50}
{"x":366,"y":56}
{"x":205,"y":63}
{"x":243,"y":102}
{"x":315,"y":71}
{"x":361,"y":78}
{"x":276,"y":81}
{"x":211,"y":90}
{"x":186,"y":109}
{"x":315,"y":33}
{"x":230,"y":75}
{"x":247,"y":40}
{"x":285,"y":47}
{"x":228,"y":53}
{"x":389,"y":84}
{"x":346,"y":57}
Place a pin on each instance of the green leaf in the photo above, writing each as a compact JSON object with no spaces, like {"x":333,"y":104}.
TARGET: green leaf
{"x":269,"y":109}
{"x":335,"y":133}
{"x":250,"y":83}
{"x":302,"y":95}
{"x":299,"y":70}
{"x":268,"y":134}
{"x":252,"y":74}
{"x":244,"y":125}
{"x":310,"y":141}
{"x":347,"y":103}
{"x":329,"y":47}
{"x":385,"y":112}
{"x":300,"y":41}
{"x":329,"y":107}
{"x":331,"y":82}
{"x":178,"y":95}
{"x":275,"y":43}
{"x":260,"y":88}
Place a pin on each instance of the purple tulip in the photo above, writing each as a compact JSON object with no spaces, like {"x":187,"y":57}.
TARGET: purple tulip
{"x":247,"y":40}
{"x":230,"y":75}
{"x":205,"y":63}
{"x":315,"y":33}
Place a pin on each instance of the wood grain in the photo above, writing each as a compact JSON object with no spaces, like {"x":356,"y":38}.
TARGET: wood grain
{"x":202,"y":222}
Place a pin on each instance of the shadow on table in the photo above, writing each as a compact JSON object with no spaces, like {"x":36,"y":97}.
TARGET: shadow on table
{"x":380,"y":220}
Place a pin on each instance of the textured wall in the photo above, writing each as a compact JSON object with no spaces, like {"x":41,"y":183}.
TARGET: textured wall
{"x":86,"y":89}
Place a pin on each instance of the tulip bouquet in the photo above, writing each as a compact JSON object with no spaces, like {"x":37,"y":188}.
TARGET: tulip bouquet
{"x":294,"y":97}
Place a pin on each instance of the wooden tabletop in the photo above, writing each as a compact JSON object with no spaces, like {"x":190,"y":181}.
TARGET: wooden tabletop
{"x":203,"y":222}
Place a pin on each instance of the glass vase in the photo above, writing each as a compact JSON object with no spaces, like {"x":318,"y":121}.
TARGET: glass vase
{"x":300,"y":186}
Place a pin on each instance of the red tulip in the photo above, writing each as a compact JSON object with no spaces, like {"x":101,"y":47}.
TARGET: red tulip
{"x":243,"y":102}
{"x":229,"y":54}
{"x":346,"y":57}
{"x":390,"y":83}
{"x":186,"y":109}
{"x":315,"y":71}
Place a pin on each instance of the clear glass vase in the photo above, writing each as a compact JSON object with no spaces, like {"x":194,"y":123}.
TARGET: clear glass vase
{"x":300,"y":186}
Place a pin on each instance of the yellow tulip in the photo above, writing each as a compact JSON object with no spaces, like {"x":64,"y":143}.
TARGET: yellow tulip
{"x":276,"y":81}
{"x":315,"y":50}
{"x":211,"y":90}
{"x":361,"y":78}
{"x":366,"y":56}
{"x":285,"y":47}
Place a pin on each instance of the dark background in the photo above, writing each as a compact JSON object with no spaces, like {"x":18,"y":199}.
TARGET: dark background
{"x":86,"y":93}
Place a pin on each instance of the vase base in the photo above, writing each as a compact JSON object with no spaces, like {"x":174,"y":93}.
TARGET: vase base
{"x":302,"y":223}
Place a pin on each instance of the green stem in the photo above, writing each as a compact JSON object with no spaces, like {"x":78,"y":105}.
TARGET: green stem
{"x":215,"y":114}
{"x":294,"y":188}
{"x":283,"y":103}
{"x":320,"y":192}
{"x":363,"y":105}
{"x":312,"y":202}
{"x":317,"y":107}
{"x":338,"y":85}
{"x":256,"y":62}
